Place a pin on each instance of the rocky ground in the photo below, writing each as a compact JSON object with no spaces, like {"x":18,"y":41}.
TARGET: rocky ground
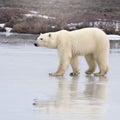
{"x":44,"y":16}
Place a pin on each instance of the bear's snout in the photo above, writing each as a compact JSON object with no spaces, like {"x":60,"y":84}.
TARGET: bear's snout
{"x":36,"y":44}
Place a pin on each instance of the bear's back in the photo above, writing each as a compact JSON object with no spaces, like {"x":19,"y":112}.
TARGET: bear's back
{"x":87,"y":40}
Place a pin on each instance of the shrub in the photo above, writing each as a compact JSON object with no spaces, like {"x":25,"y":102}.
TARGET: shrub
{"x":7,"y":13}
{"x":15,"y":18}
{"x":2,"y":29}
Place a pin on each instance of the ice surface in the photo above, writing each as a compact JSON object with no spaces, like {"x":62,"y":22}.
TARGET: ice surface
{"x":24,"y":80}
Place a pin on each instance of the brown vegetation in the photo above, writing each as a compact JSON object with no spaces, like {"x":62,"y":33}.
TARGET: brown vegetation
{"x":6,"y":14}
{"x":16,"y":19}
{"x":2,"y":29}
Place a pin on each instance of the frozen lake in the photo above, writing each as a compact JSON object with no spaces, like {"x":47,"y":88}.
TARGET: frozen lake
{"x":24,"y":80}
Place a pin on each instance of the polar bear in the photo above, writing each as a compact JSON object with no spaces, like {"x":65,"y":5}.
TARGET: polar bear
{"x":92,"y":43}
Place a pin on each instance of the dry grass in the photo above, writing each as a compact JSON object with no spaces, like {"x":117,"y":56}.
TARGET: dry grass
{"x":14,"y":17}
{"x":6,"y":14}
{"x":2,"y":29}
{"x":34,"y":25}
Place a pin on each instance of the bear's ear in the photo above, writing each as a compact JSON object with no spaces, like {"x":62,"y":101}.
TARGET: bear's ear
{"x":49,"y":35}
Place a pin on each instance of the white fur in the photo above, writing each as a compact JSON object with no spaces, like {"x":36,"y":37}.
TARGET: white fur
{"x":89,"y":42}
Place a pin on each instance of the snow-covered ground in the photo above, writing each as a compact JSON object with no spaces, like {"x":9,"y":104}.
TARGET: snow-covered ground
{"x":8,"y":29}
{"x":24,"y":80}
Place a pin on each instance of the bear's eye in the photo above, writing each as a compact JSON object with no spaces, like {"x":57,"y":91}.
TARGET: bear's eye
{"x":49,"y":35}
{"x":41,"y":38}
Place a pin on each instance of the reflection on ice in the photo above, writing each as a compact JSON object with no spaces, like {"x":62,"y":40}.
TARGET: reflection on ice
{"x":73,"y":96}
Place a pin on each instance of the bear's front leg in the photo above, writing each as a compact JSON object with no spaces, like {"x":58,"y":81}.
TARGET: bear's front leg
{"x":74,"y":64}
{"x":56,"y":74}
{"x":63,"y":65}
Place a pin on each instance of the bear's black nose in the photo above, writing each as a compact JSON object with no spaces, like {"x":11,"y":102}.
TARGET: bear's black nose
{"x":35,"y":44}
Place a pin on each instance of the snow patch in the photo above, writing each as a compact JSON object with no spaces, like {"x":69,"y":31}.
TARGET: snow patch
{"x":2,"y":25}
{"x":40,"y":16}
{"x":74,"y":25}
{"x":114,"y":37}
{"x":35,"y":14}
{"x":53,"y":27}
{"x":29,"y":15}
{"x":45,"y":17}
{"x":8,"y":29}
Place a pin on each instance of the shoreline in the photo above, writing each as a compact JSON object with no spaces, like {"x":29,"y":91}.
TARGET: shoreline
{"x":18,"y":38}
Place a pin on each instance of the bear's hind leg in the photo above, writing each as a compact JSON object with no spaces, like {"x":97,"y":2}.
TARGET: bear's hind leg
{"x":74,"y":64}
{"x":91,"y":63}
{"x":103,"y":66}
{"x":103,"y":70}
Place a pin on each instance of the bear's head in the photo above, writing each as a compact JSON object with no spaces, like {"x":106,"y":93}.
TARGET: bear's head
{"x":46,"y":40}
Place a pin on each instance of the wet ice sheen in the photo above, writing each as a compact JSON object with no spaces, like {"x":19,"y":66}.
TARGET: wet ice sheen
{"x":89,"y":98}
{"x":24,"y":80}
